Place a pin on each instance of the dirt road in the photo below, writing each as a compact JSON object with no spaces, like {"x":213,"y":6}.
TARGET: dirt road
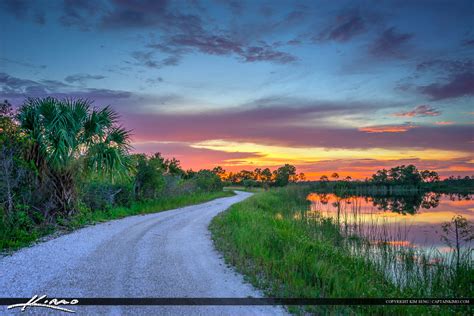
{"x":167,"y":254}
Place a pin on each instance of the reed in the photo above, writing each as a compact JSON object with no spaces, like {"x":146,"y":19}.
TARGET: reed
{"x":290,"y":249}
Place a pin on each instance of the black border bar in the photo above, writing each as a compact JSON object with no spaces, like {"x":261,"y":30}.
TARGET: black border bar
{"x":205,"y":301}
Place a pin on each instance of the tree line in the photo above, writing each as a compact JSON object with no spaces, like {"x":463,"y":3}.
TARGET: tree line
{"x":259,"y":177}
{"x":398,"y":178}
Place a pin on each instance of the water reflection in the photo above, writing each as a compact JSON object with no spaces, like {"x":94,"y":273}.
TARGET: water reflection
{"x":408,"y":220}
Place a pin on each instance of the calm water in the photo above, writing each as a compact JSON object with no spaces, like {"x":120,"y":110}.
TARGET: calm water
{"x":409,"y":220}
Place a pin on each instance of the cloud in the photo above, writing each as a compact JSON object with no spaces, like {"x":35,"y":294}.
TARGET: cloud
{"x":82,"y":78}
{"x":154,"y":81}
{"x":17,"y":8}
{"x":420,"y":110}
{"x":181,"y":31}
{"x":457,"y":85}
{"x":25,"y":9}
{"x":146,"y":59}
{"x":275,"y":121}
{"x":387,"y":128}
{"x":390,"y":44}
{"x":80,"y":13}
{"x":444,"y":66}
{"x":444,"y":123}
{"x":23,"y":63}
{"x":16,"y":90}
{"x":221,"y":44}
{"x":345,"y":26}
{"x":468,"y":42}
{"x":292,"y":126}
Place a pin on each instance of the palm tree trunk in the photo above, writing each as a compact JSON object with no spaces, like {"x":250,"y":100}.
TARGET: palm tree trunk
{"x":64,"y":192}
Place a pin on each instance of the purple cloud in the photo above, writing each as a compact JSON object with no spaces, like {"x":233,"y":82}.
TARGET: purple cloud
{"x":16,"y":90}
{"x":468,"y":42}
{"x":82,"y":78}
{"x":390,"y":44}
{"x":294,"y":127}
{"x":446,"y":66}
{"x":222,"y":45}
{"x":346,"y":26}
{"x":458,"y":85}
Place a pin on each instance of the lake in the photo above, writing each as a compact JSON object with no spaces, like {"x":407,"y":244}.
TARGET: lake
{"x":411,"y":220}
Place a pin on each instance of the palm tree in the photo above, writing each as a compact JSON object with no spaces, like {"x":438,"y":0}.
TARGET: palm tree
{"x":69,"y":137}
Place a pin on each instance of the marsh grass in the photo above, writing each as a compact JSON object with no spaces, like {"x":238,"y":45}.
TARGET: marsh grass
{"x":243,"y":188}
{"x":24,"y":233}
{"x":290,"y":252}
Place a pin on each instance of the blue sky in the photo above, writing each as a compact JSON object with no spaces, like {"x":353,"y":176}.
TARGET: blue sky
{"x":327,"y":85}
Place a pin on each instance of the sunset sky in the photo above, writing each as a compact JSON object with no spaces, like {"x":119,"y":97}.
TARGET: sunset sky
{"x":344,"y":86}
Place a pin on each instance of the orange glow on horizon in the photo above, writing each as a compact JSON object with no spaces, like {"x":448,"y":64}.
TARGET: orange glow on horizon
{"x":315,"y":162}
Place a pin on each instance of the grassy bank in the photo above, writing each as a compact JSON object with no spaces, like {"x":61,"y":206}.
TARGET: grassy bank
{"x":242,"y":188}
{"x":26,"y":232}
{"x":269,"y":239}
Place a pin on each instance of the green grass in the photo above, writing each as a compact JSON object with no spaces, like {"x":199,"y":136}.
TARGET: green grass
{"x":17,"y":236}
{"x":298,"y":258}
{"x":242,"y":188}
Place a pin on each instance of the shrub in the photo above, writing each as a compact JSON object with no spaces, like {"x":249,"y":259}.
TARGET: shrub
{"x":100,"y":195}
{"x":207,"y":181}
{"x":149,"y":179}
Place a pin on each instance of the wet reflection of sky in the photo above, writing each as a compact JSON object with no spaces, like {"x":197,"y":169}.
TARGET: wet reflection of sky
{"x":413,"y":220}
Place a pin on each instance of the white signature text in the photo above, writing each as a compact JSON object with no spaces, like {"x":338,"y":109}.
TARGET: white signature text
{"x":42,"y":301}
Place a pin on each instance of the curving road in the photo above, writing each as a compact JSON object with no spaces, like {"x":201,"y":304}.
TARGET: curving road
{"x":167,"y":254}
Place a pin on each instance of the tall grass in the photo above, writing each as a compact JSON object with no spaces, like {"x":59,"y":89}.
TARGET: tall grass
{"x":426,"y":272}
{"x":24,"y":232}
{"x":271,"y":238}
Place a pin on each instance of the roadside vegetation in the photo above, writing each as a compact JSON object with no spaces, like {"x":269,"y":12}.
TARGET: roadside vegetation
{"x":65,"y":164}
{"x":289,"y":251}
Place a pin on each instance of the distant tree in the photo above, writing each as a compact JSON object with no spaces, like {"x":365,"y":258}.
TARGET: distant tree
{"x":381,"y":176}
{"x":219,"y":171}
{"x":324,"y":178}
{"x":257,"y":174}
{"x":284,"y":175}
{"x":173,"y":167}
{"x":409,"y":175}
{"x":68,"y":137}
{"x":301,"y":177}
{"x":335,"y":176}
{"x":245,"y":175}
{"x":348,"y":178}
{"x":266,"y":175}
{"x":429,"y":176}
{"x":207,"y":181}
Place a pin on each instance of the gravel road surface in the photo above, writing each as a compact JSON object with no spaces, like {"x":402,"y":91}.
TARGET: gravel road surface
{"x":167,"y":254}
